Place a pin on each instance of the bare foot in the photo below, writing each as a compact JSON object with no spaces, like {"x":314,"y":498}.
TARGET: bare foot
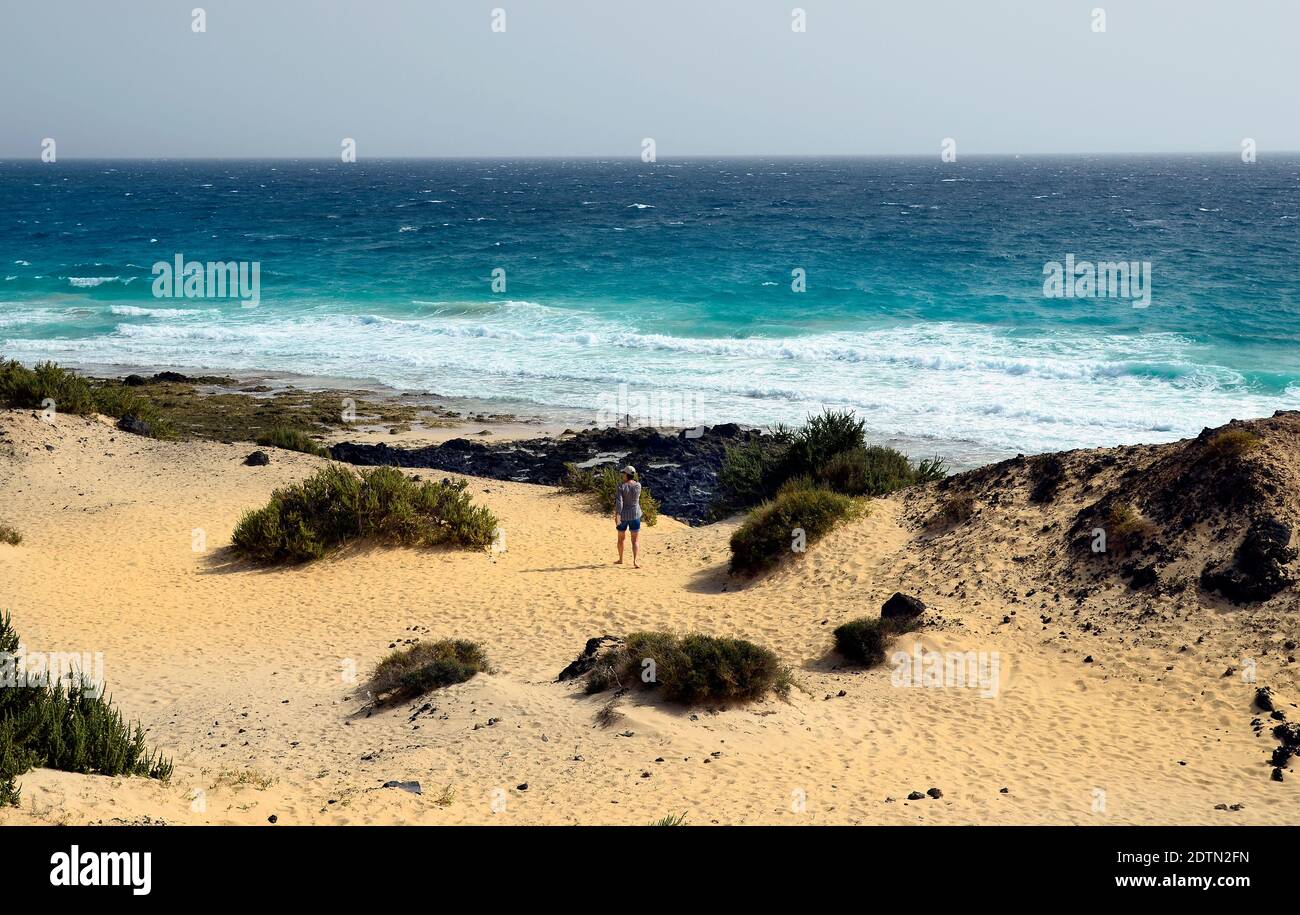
{"x":635,"y":566}
{"x":618,"y":562}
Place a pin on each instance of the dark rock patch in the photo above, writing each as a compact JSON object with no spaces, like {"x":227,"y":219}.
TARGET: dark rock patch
{"x":1141,"y":576}
{"x":1047,"y":471}
{"x":585,"y":661}
{"x":135,"y":426}
{"x":1257,"y":569}
{"x":412,"y":787}
{"x":680,"y":470}
{"x":1264,"y":699}
{"x":257,"y":459}
{"x":901,"y":606}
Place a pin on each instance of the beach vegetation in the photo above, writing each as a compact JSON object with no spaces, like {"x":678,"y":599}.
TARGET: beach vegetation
{"x":750,"y":473}
{"x":823,"y":436}
{"x":70,"y":727}
{"x":952,"y":510}
{"x":1232,"y":443}
{"x":678,"y":819}
{"x":415,"y":670}
{"x":601,"y":487}
{"x":338,"y":505}
{"x":874,"y":471}
{"x":291,"y":439}
{"x":831,"y":449}
{"x":609,"y":715}
{"x":866,"y":640}
{"x":691,"y":669}
{"x":49,"y":386}
{"x":10,"y":535}
{"x":1126,"y":527}
{"x":801,"y":514}
{"x":242,"y":778}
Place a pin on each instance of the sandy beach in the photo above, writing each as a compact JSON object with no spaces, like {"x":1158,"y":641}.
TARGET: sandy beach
{"x":1114,"y":708}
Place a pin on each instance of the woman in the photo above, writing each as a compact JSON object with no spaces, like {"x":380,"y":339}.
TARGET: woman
{"x":627,"y":512}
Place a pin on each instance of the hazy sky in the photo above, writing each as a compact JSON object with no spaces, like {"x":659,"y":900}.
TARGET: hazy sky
{"x":593,"y":77}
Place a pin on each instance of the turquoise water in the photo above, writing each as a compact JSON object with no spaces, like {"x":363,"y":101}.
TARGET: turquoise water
{"x":924,"y":307}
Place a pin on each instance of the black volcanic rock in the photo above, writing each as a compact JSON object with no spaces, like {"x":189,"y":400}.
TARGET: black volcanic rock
{"x":587,"y":660}
{"x":901,"y":606}
{"x":1256,"y":572}
{"x":680,"y":470}
{"x":1264,"y":699}
{"x":135,"y":426}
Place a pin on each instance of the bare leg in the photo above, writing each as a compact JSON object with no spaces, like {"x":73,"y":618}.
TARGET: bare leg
{"x":634,"y":562}
{"x":621,"y":535}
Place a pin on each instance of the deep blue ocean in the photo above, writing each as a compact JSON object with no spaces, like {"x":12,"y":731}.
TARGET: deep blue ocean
{"x":924,"y":307}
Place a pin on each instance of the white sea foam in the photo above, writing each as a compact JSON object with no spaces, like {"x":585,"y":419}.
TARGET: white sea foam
{"x":139,"y":312}
{"x":948,"y":382}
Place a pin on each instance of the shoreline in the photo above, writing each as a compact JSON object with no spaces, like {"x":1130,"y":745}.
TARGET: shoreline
{"x":505,"y":420}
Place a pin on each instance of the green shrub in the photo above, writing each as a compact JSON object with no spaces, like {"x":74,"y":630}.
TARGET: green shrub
{"x":70,"y":728}
{"x":823,"y":436}
{"x":751,"y":472}
{"x":831,"y":449}
{"x":602,"y":487}
{"x":24,"y":388}
{"x":691,"y":669}
{"x":413,"y":671}
{"x":1232,"y":443}
{"x":873,"y":471}
{"x":117,"y":400}
{"x":9,"y":535}
{"x":866,"y":640}
{"x":678,"y":819}
{"x":337,"y":505}
{"x":767,"y":535}
{"x":292,"y":440}
{"x":930,"y":470}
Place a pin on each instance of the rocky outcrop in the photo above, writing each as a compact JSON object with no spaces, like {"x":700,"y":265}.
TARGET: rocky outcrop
{"x":679,"y":469}
{"x":1215,"y":513}
{"x":585,"y":661}
{"x":1258,"y":568}
{"x":901,"y":607}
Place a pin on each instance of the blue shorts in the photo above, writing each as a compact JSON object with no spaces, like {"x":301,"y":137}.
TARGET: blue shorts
{"x":634,"y":524}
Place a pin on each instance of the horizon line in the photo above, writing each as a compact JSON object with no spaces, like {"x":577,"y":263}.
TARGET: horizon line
{"x":637,"y":158}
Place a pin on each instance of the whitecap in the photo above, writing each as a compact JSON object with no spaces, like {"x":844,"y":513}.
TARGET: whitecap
{"x":141,"y":312}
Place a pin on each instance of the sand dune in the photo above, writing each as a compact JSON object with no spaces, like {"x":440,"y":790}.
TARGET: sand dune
{"x":244,"y":675}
